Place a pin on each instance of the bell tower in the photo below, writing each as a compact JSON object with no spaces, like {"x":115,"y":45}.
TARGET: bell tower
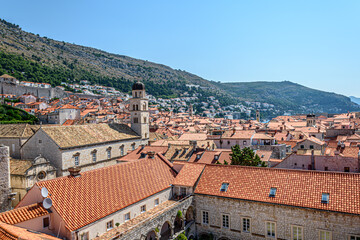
{"x":139,"y":109}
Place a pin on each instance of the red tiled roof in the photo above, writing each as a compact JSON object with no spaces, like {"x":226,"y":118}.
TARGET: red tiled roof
{"x":189,"y":174}
{"x":98,"y":193}
{"x":294,"y":187}
{"x":23,"y":214}
{"x":10,"y":232}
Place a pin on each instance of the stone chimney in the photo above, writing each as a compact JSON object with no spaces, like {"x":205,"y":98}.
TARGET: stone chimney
{"x":74,"y":171}
{"x":151,"y":154}
{"x":5,"y":187}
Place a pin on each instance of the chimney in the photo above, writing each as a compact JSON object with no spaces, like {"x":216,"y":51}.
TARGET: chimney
{"x":234,"y":131}
{"x":312,"y":160}
{"x":193,"y":143}
{"x":151,"y":154}
{"x":74,"y":171}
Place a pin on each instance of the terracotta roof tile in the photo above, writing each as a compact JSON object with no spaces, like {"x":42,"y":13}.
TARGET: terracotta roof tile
{"x":189,"y":174}
{"x":10,"y":232}
{"x":98,"y":193}
{"x":294,"y":187}
{"x":23,"y":214}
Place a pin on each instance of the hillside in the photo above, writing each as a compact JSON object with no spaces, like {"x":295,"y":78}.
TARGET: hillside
{"x":290,"y":96}
{"x":10,"y":114}
{"x":355,"y":100}
{"x":28,"y":56}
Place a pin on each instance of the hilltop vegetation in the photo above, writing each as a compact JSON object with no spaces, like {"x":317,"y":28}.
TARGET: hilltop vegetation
{"x":28,"y":56}
{"x":10,"y":114}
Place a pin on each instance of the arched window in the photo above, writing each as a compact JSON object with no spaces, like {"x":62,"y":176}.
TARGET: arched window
{"x":136,"y":120}
{"x":108,"y":152}
{"x":122,"y":150}
{"x":144,"y":106}
{"x":144,"y":119}
{"x":137,"y":107}
{"x":77,"y":159}
{"x":93,"y":155}
{"x":134,"y":107}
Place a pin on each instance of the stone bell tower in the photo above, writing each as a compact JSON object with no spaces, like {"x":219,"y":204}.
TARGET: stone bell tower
{"x":139,"y":109}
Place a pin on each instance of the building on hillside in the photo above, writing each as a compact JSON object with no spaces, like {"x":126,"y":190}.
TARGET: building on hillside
{"x":15,"y":135}
{"x":234,"y":202}
{"x":5,"y":78}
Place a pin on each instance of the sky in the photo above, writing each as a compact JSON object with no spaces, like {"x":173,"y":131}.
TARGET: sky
{"x":313,"y":43}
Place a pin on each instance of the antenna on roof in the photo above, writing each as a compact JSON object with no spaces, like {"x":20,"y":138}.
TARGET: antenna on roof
{"x":47,"y":203}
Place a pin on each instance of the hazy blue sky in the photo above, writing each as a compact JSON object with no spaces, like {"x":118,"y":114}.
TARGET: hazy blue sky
{"x":314,"y":43}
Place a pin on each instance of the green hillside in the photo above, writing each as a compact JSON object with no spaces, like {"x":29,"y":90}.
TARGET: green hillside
{"x":28,"y":56}
{"x":10,"y":114}
{"x":287,"y":95}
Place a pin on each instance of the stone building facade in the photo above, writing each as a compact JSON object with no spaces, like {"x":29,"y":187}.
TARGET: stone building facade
{"x":250,"y":220}
{"x":5,"y":199}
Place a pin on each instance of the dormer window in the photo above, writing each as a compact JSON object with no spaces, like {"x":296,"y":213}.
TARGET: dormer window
{"x":272,"y":192}
{"x":224,"y":187}
{"x":216,"y":157}
{"x":198,"y":157}
{"x":325,"y":198}
{"x":142,"y":155}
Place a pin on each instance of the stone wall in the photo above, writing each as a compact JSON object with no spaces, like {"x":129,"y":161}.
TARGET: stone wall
{"x":310,"y":220}
{"x":5,"y":202}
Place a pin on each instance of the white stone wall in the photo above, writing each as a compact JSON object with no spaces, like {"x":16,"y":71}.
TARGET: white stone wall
{"x":284,"y":216}
{"x":14,"y":145}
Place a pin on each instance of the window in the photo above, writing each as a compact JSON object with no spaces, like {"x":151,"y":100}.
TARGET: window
{"x":353,"y":237}
{"x":246,"y":224}
{"x":41,"y":175}
{"x":40,"y":141}
{"x":127,"y":217}
{"x":109,"y":225}
{"x":326,"y":168}
{"x":182,"y":191}
{"x":133,"y":146}
{"x":143,"y":208}
{"x":346,"y":169}
{"x":272,"y":192}
{"x":228,"y":142}
{"x":225,"y":221}
{"x":302,"y":146}
{"x":296,"y":233}
{"x":144,"y":119}
{"x":136,"y":120}
{"x":84,"y":236}
{"x":93,"y":156}
{"x":46,"y":222}
{"x":325,"y":198}
{"x":77,"y":160}
{"x":108,"y":153}
{"x":224,"y":187}
{"x":156,"y":202}
{"x":205,"y":217}
{"x":270,"y":229}
{"x":311,"y":146}
{"x":122,"y":150}
{"x":244,"y":142}
{"x":325,"y":235}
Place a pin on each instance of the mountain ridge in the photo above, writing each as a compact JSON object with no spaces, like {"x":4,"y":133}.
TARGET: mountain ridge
{"x":58,"y":61}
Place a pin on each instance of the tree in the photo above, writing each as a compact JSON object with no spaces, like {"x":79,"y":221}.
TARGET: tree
{"x":245,"y":157}
{"x":181,"y":237}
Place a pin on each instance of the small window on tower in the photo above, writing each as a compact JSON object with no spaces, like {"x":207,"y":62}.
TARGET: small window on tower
{"x":136,"y":120}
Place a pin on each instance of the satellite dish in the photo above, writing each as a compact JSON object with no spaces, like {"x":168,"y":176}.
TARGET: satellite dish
{"x":47,"y":203}
{"x":44,"y":192}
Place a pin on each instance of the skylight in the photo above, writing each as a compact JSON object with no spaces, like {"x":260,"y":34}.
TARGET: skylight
{"x":224,"y":187}
{"x":325,"y":198}
{"x":272,"y":192}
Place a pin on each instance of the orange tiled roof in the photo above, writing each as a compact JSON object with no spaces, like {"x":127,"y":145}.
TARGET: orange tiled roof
{"x":189,"y":174}
{"x":10,"y":232}
{"x":23,"y":214}
{"x":294,"y":187}
{"x":97,"y":193}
